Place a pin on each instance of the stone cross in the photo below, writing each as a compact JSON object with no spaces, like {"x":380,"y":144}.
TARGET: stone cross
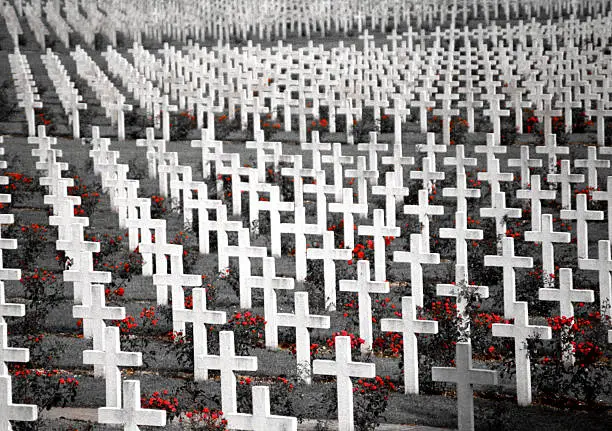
{"x":337,"y":160}
{"x":274,"y":206}
{"x":495,"y":113}
{"x":592,"y":163}
{"x":362,"y":175}
{"x":582,"y":215}
{"x":315,"y":147}
{"x":392,"y":191}
{"x":302,"y":320}
{"x":416,"y":257}
{"x":299,"y":228}
{"x":424,"y":211}
{"x":372,"y":148}
{"x":603,"y":265}
{"x":328,"y":254}
{"x":260,"y":419}
{"x":13,"y":412}
{"x":227,"y":362}
{"x":459,"y":289}
{"x":607,"y":197}
{"x":166,"y":108}
{"x":461,"y":193}
{"x":521,"y":331}
{"x":94,"y":312}
{"x":535,"y":194}
{"x":551,"y":149}
{"x":363,"y":286}
{"x":398,"y":160}
{"x":380,"y":232}
{"x":464,"y":376}
{"x":409,"y":325}
{"x":8,"y":309}
{"x":548,"y":113}
{"x":269,"y":282}
{"x":547,"y":237}
{"x":347,"y":208}
{"x":601,"y":115}
{"x":118,"y":107}
{"x":155,"y":147}
{"x":508,"y":261}
{"x":428,"y":174}
{"x":112,"y":358}
{"x":500,"y":213}
{"x":460,"y":233}
{"x":566,"y":179}
{"x":460,"y":161}
{"x":132,"y":414}
{"x":245,"y":251}
{"x":566,"y":294}
{"x":525,"y":163}
{"x":344,"y":368}
{"x":10,"y":354}
{"x":199,"y":316}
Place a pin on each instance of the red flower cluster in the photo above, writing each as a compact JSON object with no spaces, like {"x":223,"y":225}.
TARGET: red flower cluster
{"x":389,"y":344}
{"x":126,"y":325}
{"x":355,"y":340}
{"x":157,"y":401}
{"x":378,"y":384}
{"x":205,"y":419}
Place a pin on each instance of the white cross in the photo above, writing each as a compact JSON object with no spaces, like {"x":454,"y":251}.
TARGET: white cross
{"x":409,"y":325}
{"x":565,"y":178}
{"x":428,"y":175}
{"x":460,"y":233}
{"x":362,"y":174}
{"x":372,"y":148}
{"x":460,"y":161}
{"x":601,"y":115}
{"x":337,"y":160}
{"x":302,"y":320}
{"x":603,"y":265}
{"x":132,"y":414}
{"x":112,"y":358}
{"x":566,"y":294}
{"x":547,"y":112}
{"x":199,"y":316}
{"x":328,"y":254}
{"x":227,"y":362}
{"x":344,"y":368}
{"x":582,"y":215}
{"x":500,"y":213}
{"x":379,"y":231}
{"x":416,"y":257}
{"x":392,"y":191}
{"x":245,"y":251}
{"x":607,"y":197}
{"x":547,"y":237}
{"x":508,"y":261}
{"x":9,"y":354}
{"x":94,"y":312}
{"x":424,"y":211}
{"x":592,"y":163}
{"x":461,"y":193}
{"x":464,"y":375}
{"x":13,"y":412}
{"x":363,"y":286}
{"x":521,"y":330}
{"x":261,"y":419}
{"x":348,"y":208}
{"x":551,"y":149}
{"x":525,"y":163}
{"x":269,"y":282}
